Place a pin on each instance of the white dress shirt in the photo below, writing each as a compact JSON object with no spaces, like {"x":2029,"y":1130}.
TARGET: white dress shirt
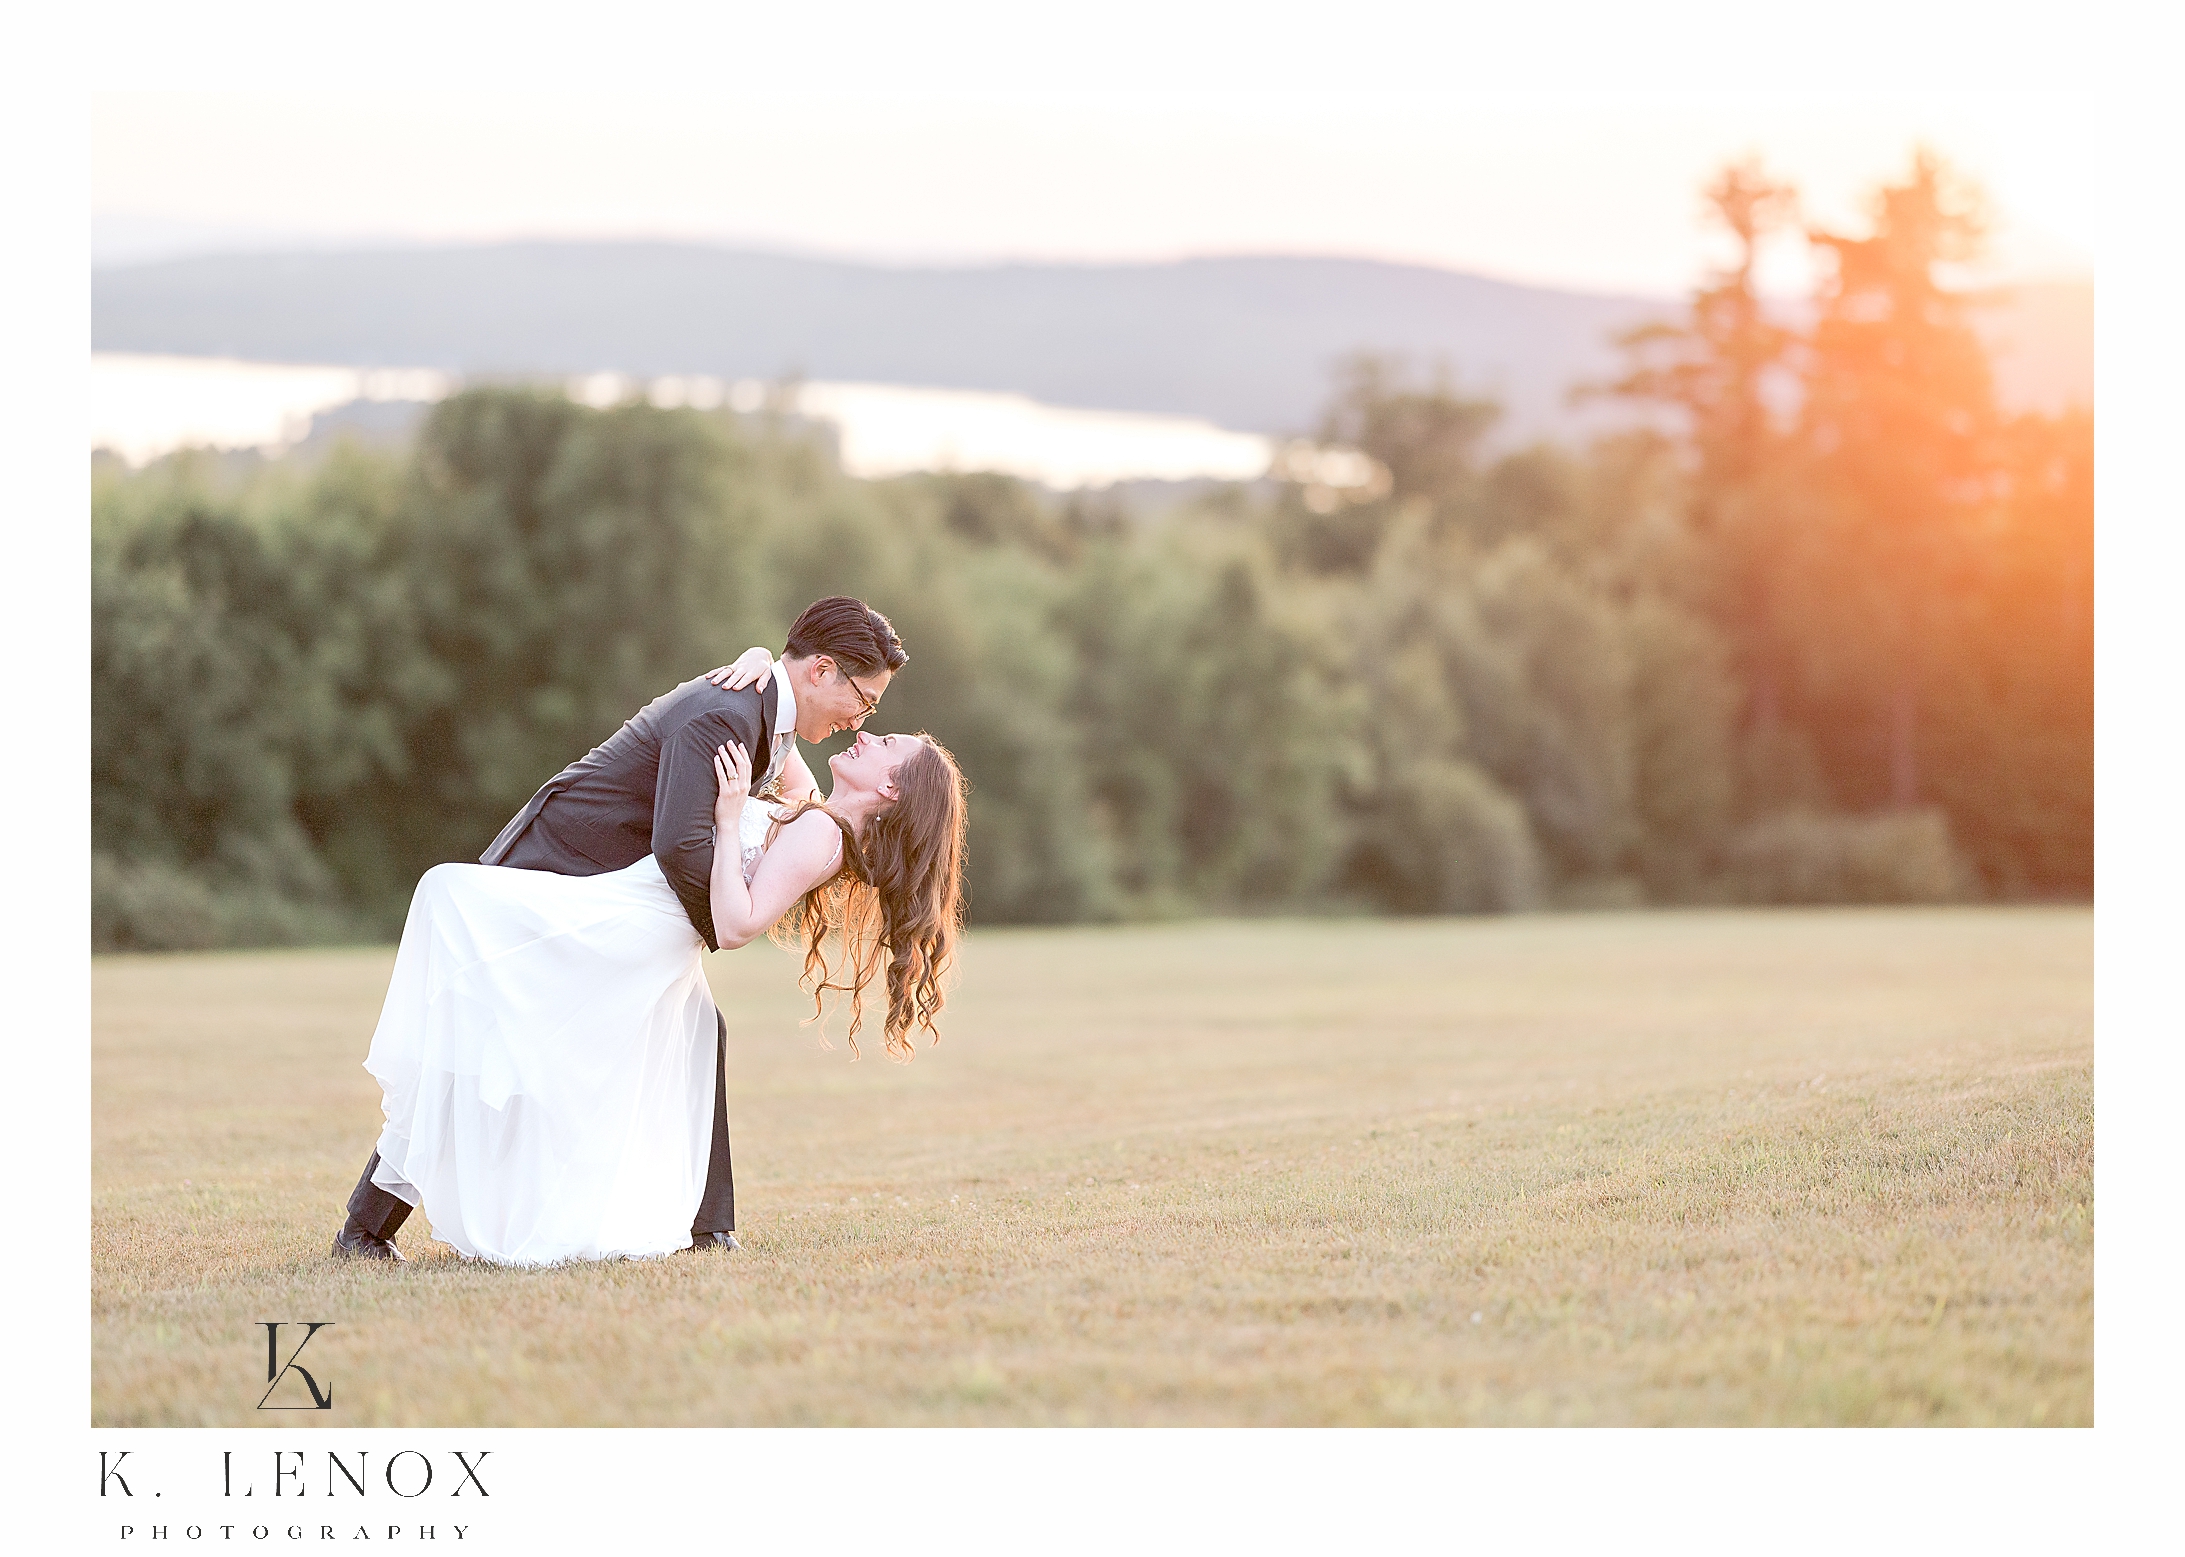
{"x":785,"y":731}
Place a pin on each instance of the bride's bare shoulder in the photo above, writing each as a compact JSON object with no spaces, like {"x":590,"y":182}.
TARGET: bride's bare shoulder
{"x":816,"y":833}
{"x":803,"y":853}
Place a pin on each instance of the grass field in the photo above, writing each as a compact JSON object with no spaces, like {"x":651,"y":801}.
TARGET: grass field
{"x":1827,"y":1167}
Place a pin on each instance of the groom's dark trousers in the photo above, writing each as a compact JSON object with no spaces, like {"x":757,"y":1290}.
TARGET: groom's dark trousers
{"x":648,"y":790}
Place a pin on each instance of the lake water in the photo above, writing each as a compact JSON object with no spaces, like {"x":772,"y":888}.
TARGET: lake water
{"x":146,"y":406}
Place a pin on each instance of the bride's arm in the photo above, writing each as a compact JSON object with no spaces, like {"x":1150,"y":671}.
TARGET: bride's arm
{"x":752,"y":668}
{"x":800,"y":858}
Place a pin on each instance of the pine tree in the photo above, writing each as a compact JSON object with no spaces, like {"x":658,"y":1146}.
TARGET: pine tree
{"x":1900,"y":427}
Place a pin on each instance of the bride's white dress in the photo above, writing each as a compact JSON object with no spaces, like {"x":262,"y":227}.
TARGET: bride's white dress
{"x":546,"y":1056}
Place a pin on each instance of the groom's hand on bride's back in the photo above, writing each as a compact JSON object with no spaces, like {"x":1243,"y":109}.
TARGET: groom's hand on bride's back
{"x":753,"y":668}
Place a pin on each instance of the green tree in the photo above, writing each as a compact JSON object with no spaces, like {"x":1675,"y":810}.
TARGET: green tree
{"x":1427,"y":437}
{"x":560,"y":567}
{"x":1210,"y":736}
{"x":202,"y":727}
{"x":2008,"y":736}
{"x":1899,"y":426}
{"x":1904,"y":576}
{"x":1728,"y":370}
{"x":1436,"y":829}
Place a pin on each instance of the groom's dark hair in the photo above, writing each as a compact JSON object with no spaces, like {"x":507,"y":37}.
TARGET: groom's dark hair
{"x":857,"y":637}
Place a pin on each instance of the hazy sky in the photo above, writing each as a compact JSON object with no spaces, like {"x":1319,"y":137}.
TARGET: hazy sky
{"x":1592,"y":188}
{"x":1590,"y":192}
{"x":1559,"y":141}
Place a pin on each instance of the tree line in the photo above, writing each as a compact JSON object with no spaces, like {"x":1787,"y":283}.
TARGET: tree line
{"x":1828,"y":639}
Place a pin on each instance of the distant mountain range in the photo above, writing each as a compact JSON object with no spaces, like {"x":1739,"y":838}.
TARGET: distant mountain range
{"x":1247,"y":342}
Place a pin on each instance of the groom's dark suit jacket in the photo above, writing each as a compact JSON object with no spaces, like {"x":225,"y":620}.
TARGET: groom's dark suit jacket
{"x":648,"y":788}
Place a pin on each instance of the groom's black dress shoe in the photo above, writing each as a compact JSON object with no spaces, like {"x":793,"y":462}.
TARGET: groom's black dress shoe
{"x":352,"y":1245}
{"x":723,"y":1241}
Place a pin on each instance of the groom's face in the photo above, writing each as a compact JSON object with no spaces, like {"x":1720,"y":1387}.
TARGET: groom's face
{"x":828,"y":700}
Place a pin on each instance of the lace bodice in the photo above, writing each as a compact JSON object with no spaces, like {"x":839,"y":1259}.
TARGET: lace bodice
{"x":751,"y":830}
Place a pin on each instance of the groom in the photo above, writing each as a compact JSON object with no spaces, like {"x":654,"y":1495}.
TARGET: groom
{"x":649,"y":790}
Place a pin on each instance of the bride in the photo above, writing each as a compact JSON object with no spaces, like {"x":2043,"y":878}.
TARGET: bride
{"x":547,"y":1047}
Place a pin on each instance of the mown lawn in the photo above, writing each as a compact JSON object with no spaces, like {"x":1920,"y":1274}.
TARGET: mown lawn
{"x":1830,"y":1167}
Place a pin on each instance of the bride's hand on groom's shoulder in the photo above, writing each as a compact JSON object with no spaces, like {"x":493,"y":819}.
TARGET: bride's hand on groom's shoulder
{"x":753,"y":668}
{"x":732,"y":766}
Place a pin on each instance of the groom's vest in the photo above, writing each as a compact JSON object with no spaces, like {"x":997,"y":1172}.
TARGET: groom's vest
{"x":646,"y":789}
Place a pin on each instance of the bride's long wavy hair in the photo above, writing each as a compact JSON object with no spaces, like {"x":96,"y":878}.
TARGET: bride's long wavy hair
{"x":898,"y":895}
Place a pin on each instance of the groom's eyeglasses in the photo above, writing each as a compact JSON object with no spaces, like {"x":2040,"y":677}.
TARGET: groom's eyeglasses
{"x":871,"y":703}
